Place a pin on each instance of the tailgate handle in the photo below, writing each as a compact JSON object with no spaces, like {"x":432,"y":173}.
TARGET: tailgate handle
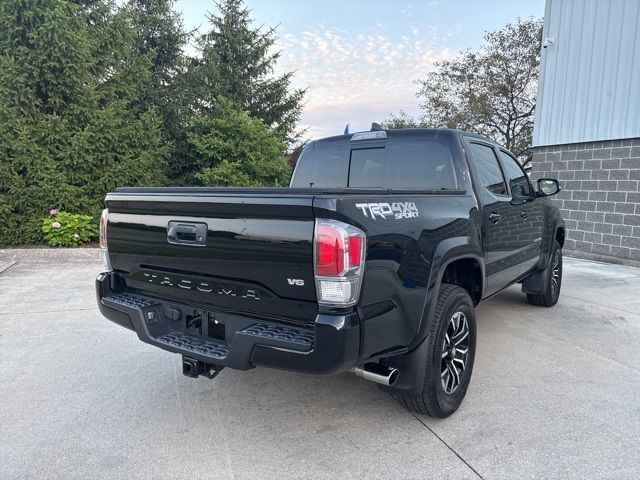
{"x":187,"y":233}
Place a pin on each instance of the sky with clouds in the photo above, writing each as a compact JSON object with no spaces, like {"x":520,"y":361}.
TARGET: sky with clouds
{"x":359,"y":60}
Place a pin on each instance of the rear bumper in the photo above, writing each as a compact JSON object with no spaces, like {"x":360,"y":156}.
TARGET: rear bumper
{"x":331,"y":346}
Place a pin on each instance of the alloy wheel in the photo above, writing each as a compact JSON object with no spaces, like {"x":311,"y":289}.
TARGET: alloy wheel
{"x":455,"y":351}
{"x":555,"y":272}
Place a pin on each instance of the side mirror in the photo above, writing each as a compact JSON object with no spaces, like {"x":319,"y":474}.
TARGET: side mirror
{"x":548,"y":186}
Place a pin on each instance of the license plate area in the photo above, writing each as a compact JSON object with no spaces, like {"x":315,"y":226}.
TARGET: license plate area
{"x":201,"y":323}
{"x":215,"y":329}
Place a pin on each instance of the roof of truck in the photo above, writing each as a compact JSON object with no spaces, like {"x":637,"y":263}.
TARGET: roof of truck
{"x":400,"y":132}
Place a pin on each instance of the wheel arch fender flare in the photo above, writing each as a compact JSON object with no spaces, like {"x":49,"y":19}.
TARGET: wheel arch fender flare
{"x":556,"y":231}
{"x":559,"y":233}
{"x":447,"y":252}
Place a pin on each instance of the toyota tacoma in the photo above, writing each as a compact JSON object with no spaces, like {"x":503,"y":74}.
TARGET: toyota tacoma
{"x":371,"y":261}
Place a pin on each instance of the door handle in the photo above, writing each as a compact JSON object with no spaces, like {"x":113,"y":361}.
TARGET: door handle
{"x":494,"y":217}
{"x":524,"y":214}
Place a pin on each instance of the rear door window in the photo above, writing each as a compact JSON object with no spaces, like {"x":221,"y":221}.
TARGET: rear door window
{"x":488,"y":168}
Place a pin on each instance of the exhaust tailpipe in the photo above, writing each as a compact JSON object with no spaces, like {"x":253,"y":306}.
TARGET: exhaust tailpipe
{"x":377,"y":373}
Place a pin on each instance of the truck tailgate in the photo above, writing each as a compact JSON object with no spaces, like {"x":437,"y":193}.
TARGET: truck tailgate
{"x":255,"y":257}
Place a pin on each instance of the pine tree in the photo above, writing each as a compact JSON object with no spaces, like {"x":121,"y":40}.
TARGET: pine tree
{"x":160,"y":36}
{"x":238,"y":63}
{"x":71,"y":126}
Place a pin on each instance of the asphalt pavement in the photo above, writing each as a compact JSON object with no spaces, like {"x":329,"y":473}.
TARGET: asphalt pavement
{"x":555,"y":393}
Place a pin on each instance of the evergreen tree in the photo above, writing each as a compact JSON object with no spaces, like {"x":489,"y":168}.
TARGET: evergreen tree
{"x":230,"y":148}
{"x":71,"y":123}
{"x":160,"y":36}
{"x":238,"y":63}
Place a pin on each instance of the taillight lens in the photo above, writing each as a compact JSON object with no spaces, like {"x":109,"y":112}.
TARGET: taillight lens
{"x":338,"y":256}
{"x":104,"y":252}
{"x":329,"y":250}
{"x":355,"y":247}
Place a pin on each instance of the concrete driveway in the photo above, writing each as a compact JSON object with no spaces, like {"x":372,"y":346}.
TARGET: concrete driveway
{"x":555,"y":394}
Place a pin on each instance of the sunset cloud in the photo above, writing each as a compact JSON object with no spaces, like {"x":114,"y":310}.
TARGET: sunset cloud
{"x":359,"y":60}
{"x":357,"y":78}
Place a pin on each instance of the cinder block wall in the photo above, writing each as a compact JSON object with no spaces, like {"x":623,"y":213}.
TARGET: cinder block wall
{"x":600,"y":201}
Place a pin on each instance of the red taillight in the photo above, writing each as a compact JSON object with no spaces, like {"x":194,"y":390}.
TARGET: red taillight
{"x":329,"y":251}
{"x":339,"y":250}
{"x":355,"y":243}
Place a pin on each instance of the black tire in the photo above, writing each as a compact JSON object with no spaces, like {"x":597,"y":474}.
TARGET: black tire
{"x":435,"y":400}
{"x":554,"y":281}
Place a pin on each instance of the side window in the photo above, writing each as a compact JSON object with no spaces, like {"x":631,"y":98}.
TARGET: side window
{"x":488,"y":168}
{"x":518,"y":180}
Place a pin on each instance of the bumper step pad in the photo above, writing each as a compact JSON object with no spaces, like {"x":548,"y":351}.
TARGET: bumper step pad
{"x":221,"y":350}
{"x":286,"y":334}
{"x":194,"y":344}
{"x":128,"y":300}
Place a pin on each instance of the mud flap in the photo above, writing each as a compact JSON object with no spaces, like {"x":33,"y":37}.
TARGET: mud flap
{"x":537,"y":282}
{"x":411,"y":367}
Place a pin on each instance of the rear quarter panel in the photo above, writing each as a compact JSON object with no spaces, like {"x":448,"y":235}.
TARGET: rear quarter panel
{"x":405,"y":257}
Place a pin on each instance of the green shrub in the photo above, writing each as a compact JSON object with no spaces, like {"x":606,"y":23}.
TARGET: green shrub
{"x":64,"y":229}
{"x":74,"y":123}
{"x":230,"y":148}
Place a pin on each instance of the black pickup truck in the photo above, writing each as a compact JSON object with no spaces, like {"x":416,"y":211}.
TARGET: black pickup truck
{"x":372,"y":261}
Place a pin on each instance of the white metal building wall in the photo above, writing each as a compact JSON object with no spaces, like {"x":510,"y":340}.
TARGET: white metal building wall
{"x":589,"y":87}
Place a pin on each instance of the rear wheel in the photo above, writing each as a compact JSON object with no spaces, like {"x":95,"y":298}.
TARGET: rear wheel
{"x":554,"y":281}
{"x":452,"y":344}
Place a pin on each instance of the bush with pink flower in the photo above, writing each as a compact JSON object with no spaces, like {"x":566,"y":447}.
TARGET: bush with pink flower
{"x":64,"y":229}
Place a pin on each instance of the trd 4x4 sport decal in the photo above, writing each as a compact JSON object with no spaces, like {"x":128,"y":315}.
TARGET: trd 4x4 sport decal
{"x":397,"y":210}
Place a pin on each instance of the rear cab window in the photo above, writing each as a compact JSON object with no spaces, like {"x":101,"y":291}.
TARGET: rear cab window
{"x":322,"y":167}
{"x":401,"y":162}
